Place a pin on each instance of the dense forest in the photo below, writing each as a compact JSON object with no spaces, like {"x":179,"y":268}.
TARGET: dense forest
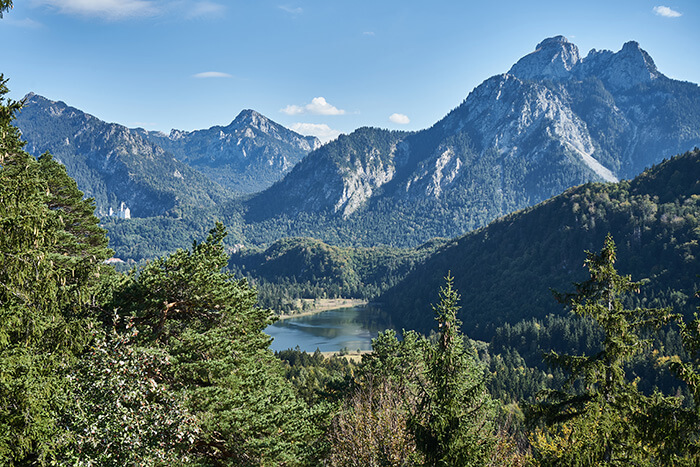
{"x":168,"y":364}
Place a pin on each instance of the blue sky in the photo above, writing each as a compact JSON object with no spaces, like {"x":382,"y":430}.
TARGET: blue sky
{"x":315,"y":66}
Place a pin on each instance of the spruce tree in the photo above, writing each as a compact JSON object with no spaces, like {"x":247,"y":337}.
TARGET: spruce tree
{"x":46,"y":286}
{"x":596,"y":417}
{"x":453,"y":424}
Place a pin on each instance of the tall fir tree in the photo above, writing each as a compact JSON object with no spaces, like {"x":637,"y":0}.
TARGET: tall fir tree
{"x":597,"y":417}
{"x":45,"y":288}
{"x":453,"y":424}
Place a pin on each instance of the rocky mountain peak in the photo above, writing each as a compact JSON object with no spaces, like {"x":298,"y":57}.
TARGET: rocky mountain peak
{"x":249,"y":117}
{"x":622,"y":70}
{"x":638,"y":58}
{"x":553,"y":58}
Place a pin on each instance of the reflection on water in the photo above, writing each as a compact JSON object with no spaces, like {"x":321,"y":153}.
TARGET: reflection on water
{"x":330,"y":331}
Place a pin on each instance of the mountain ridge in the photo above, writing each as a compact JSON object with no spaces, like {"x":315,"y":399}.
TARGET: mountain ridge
{"x":112,"y":163}
{"x":245,"y":156}
{"x":553,"y":121}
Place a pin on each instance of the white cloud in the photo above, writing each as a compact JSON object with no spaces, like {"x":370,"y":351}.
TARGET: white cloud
{"x":667,"y":12}
{"x":318,"y":106}
{"x":320,"y":130}
{"x":23,"y":23}
{"x":212,"y":74}
{"x":291,"y":10}
{"x":206,"y":9}
{"x":400,"y":119}
{"x":107,"y":9}
{"x":293,"y":110}
{"x":368,"y":33}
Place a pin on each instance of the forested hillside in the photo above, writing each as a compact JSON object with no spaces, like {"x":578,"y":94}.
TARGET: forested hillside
{"x":295,"y":268}
{"x":169,"y":364}
{"x":505,"y":271}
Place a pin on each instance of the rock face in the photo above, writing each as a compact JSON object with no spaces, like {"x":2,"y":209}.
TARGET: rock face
{"x":247,"y":156}
{"x":340,"y":176}
{"x":113,"y":164}
{"x":555,"y":120}
{"x":553,"y":58}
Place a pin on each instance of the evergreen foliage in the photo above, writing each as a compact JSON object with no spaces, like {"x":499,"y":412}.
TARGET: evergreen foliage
{"x":595,"y":419}
{"x":121,"y":411}
{"x":418,"y":401}
{"x":51,"y":254}
{"x":211,"y":328}
{"x":453,"y":422}
{"x":677,"y":429}
{"x":316,"y":378}
{"x":4,"y":6}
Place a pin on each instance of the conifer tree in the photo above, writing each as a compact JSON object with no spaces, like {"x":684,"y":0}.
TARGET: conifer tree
{"x":595,"y":419}
{"x":220,"y":363}
{"x":675,"y":429}
{"x":453,"y":423}
{"x":4,"y":6}
{"x":45,"y":287}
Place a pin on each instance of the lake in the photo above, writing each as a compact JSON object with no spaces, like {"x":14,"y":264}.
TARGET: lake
{"x":330,"y":331}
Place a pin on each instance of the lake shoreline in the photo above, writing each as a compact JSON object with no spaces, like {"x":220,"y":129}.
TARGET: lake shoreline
{"x":345,"y":330}
{"x":325,"y":304}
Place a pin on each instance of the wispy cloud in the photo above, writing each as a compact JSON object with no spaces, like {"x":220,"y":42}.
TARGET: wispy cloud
{"x":212,"y":74}
{"x":368,"y":33}
{"x":400,"y":119}
{"x":318,"y":106}
{"x":105,"y":9}
{"x":291,"y":10}
{"x":23,"y":23}
{"x":667,"y":12}
{"x":320,"y":130}
{"x":206,"y":9}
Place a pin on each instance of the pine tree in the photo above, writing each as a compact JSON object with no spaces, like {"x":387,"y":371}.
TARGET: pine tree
{"x":4,"y":6}
{"x":596,"y":418}
{"x":45,"y":290}
{"x":211,"y":328}
{"x":453,"y":423}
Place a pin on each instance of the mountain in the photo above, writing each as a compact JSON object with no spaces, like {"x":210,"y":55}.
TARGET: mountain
{"x":246,"y":156}
{"x":553,"y":121}
{"x":114,"y":164}
{"x":504,"y":271}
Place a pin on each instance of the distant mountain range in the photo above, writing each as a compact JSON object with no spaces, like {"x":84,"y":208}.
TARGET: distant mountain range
{"x":247,"y":156}
{"x":114,"y":164}
{"x":155,"y":173}
{"x":552,"y":122}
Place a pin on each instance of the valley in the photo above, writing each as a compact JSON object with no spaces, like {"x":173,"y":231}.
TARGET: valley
{"x":523,"y":270}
